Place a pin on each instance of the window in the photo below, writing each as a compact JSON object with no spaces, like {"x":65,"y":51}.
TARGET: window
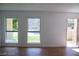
{"x":33,"y":30}
{"x":70,"y":23}
{"x":11,"y":30}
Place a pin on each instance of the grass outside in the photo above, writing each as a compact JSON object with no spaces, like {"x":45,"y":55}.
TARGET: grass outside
{"x":33,"y":39}
{"x":12,"y":37}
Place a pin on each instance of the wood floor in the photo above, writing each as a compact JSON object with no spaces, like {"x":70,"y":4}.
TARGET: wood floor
{"x":14,"y":51}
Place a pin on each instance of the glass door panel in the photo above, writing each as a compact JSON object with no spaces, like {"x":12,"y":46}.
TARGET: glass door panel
{"x":11,"y":34}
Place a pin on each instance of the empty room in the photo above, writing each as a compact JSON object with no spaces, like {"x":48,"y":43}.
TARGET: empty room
{"x":39,"y":29}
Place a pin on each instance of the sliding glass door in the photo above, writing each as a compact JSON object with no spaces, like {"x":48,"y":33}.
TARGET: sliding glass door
{"x":20,"y":30}
{"x":11,"y":30}
{"x":33,"y":34}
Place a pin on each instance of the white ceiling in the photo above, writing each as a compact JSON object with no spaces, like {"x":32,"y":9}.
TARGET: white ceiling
{"x":60,"y":7}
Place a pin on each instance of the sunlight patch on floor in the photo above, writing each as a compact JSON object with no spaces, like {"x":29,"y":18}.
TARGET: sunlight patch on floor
{"x":71,"y":44}
{"x":76,"y":49}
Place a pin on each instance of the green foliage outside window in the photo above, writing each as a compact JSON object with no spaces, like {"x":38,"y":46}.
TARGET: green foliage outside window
{"x":71,"y":23}
{"x":15,"y":24}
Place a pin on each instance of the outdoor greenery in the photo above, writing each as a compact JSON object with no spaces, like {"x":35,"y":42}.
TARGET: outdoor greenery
{"x":15,"y":24}
{"x":33,"y":38}
{"x":70,"y":23}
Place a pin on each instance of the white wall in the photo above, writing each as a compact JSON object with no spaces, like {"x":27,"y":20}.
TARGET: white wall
{"x":53,"y":26}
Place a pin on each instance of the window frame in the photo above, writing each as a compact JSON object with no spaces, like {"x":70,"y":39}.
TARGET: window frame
{"x":34,"y":31}
{"x":5,"y":25}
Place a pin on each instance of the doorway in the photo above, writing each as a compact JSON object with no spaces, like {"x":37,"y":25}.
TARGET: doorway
{"x":71,"y":33}
{"x":10,"y":26}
